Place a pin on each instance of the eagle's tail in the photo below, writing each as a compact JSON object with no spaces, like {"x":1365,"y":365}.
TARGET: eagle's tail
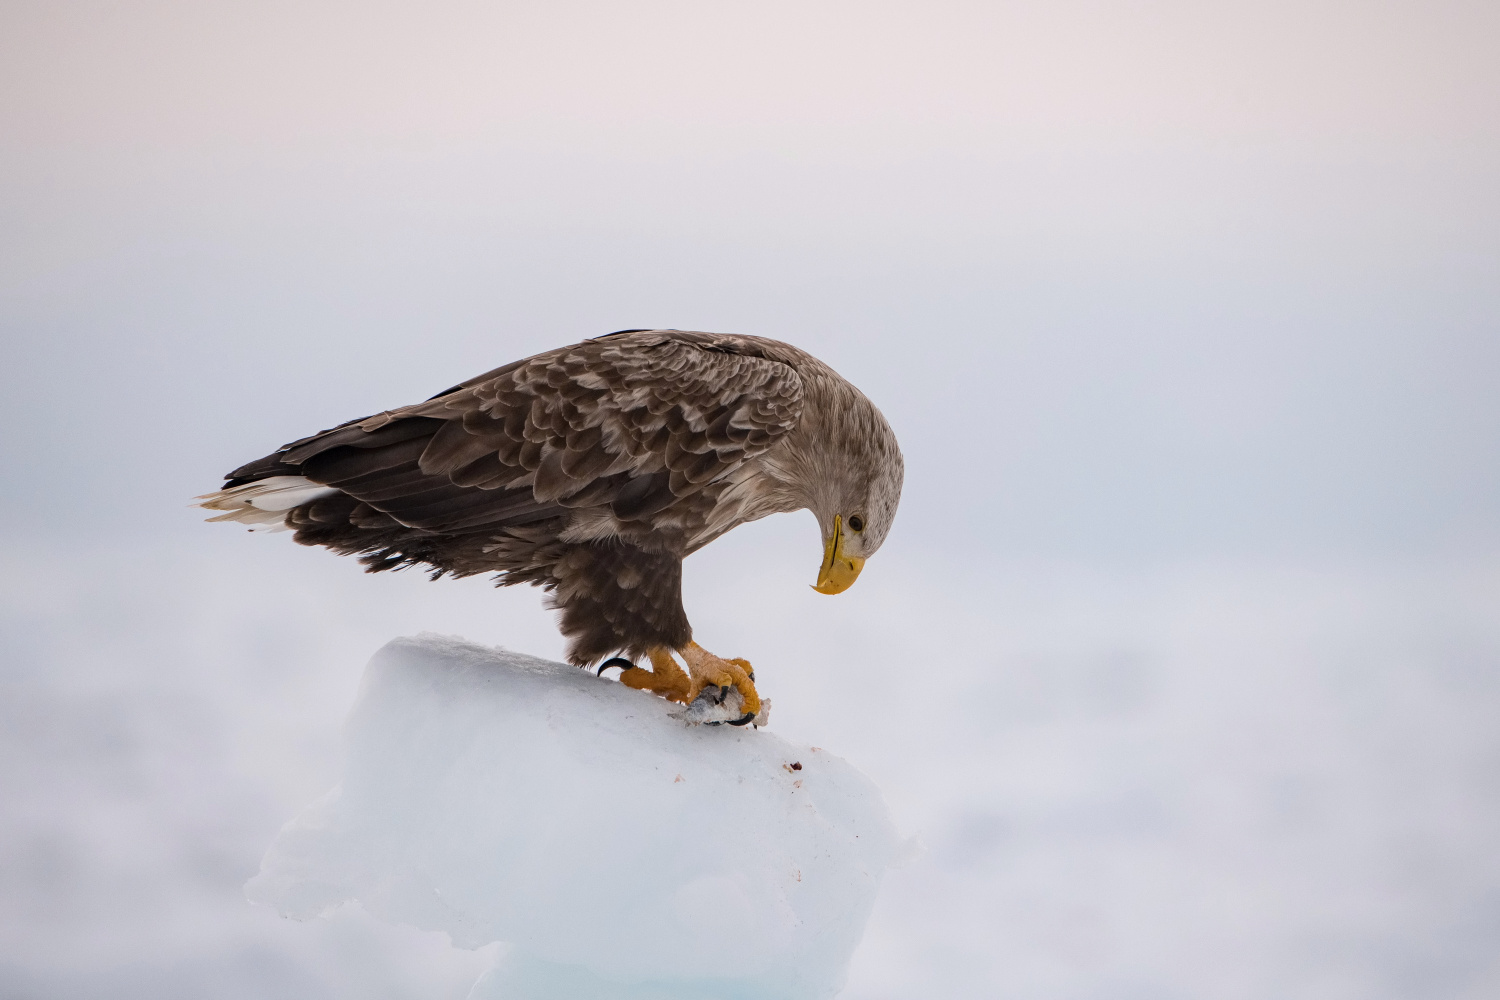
{"x":263,"y":503}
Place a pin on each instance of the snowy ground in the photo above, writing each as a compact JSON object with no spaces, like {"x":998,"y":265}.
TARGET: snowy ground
{"x":1201,"y":781}
{"x":618,"y":851}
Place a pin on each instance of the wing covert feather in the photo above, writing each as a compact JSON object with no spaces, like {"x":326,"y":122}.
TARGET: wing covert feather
{"x":579,"y":424}
{"x":634,"y":420}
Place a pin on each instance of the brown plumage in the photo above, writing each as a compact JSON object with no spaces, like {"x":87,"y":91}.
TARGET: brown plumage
{"x":591,"y":471}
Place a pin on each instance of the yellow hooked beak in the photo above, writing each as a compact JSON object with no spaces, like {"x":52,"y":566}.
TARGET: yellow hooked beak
{"x":839,"y":571}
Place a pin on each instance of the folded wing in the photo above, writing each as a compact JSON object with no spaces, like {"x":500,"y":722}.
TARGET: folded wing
{"x":633,"y":421}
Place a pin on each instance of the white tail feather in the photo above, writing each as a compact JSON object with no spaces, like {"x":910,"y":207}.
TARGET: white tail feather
{"x":265,"y":501}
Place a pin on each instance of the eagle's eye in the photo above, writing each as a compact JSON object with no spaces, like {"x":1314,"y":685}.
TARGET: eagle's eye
{"x":856,"y":523}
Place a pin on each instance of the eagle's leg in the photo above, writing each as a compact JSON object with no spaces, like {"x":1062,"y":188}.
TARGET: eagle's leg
{"x":664,"y":678}
{"x":710,"y":670}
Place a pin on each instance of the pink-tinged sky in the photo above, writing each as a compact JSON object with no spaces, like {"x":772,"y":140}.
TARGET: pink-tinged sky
{"x":792,"y":78}
{"x":1211,"y":275}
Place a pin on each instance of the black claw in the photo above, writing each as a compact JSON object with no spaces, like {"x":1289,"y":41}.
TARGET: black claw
{"x":615,"y":661}
{"x":742,"y":720}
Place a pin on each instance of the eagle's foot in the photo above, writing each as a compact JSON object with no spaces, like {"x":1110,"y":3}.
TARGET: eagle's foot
{"x":664,"y":678}
{"x":714,"y":677}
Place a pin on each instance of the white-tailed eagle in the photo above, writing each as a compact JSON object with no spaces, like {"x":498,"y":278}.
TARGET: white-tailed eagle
{"x":591,"y":471}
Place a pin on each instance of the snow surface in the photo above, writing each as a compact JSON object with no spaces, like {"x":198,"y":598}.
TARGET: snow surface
{"x":1214,"y":781}
{"x":618,"y":850}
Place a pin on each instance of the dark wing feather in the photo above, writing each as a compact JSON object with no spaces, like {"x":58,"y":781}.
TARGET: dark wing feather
{"x":582,"y":426}
{"x":636,"y":420}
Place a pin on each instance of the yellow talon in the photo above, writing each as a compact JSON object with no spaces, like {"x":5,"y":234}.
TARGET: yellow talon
{"x":705,"y":669}
{"x":664,"y":678}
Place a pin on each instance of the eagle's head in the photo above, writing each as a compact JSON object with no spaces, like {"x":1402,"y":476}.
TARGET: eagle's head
{"x":856,"y":512}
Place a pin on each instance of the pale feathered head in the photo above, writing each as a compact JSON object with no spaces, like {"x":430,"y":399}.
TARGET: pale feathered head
{"x":855,"y":502}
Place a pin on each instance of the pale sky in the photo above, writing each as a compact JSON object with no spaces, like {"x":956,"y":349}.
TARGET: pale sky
{"x":1131,"y":279}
